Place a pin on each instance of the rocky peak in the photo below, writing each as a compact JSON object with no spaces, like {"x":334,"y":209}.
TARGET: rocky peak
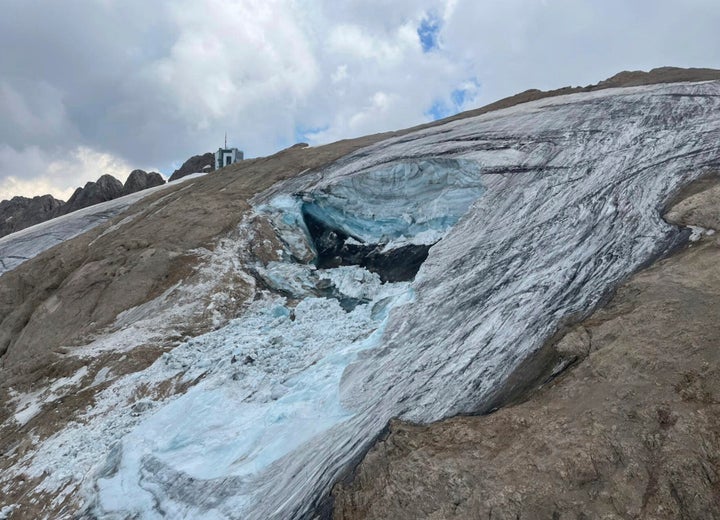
{"x":196,"y":163}
{"x":105,"y":188}
{"x":141,"y":180}
{"x":21,"y":212}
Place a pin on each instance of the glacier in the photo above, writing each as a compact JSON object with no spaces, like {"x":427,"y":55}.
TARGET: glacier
{"x":530,"y":216}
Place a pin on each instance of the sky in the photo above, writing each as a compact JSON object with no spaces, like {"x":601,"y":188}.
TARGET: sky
{"x":89,"y":87}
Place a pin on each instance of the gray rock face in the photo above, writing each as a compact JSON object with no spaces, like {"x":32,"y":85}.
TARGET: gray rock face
{"x":21,"y":212}
{"x":106,"y":188}
{"x":196,"y":164}
{"x":141,"y":180}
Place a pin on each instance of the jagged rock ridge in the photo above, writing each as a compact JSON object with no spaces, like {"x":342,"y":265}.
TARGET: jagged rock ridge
{"x":105,"y":188}
{"x":21,"y":212}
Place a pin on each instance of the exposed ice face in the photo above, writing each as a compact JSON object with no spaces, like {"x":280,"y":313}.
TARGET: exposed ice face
{"x":413,"y":200}
{"x":570,"y":190}
{"x":395,"y":205}
{"x":384,"y":219}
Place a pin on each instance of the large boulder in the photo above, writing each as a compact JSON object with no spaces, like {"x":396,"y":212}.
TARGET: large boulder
{"x":140,"y":180}
{"x":196,"y":164}
{"x":105,"y":188}
{"x":21,"y":212}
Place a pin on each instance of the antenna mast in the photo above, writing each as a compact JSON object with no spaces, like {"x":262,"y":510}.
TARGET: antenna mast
{"x":226,"y":140}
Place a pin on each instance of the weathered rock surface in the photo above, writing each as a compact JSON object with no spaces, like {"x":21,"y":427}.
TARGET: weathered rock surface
{"x":140,"y":180}
{"x":658,"y":75}
{"x":196,"y":164}
{"x":631,"y":431}
{"x":21,"y":212}
{"x":699,"y":208}
{"x":105,"y":188}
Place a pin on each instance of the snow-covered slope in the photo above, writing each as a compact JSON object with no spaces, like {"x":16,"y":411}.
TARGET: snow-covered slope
{"x":535,"y":212}
{"x":22,"y":245}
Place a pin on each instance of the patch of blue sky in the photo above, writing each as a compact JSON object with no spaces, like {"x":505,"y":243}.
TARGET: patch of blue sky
{"x":458,"y":96}
{"x":304,"y":133}
{"x":439,"y":110}
{"x":455,"y":102}
{"x":429,"y":32}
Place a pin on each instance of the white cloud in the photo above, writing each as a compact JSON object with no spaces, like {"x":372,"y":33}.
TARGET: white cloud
{"x":13,"y":186}
{"x":32,"y":171}
{"x":242,"y":54}
{"x":354,"y":42}
{"x":156,"y":82}
{"x":380,"y":77}
{"x":89,"y":164}
{"x":340,"y":74}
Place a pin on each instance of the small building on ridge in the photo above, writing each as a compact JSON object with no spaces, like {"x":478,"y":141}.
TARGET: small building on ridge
{"x":227,"y":156}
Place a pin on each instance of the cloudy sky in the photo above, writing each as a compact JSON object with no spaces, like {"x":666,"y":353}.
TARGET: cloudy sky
{"x":105,"y":86}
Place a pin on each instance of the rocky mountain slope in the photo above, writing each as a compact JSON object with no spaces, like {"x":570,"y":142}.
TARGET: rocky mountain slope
{"x":21,"y":212}
{"x":231,"y":346}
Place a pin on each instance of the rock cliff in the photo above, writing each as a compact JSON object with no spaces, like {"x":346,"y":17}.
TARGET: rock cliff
{"x":140,"y":180}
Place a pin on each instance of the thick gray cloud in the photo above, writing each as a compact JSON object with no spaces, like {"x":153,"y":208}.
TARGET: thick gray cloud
{"x":89,"y":87}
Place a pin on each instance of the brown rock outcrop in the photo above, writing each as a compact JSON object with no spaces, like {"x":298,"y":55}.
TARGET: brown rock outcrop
{"x":139,"y":180}
{"x":631,"y":431}
{"x":196,"y":164}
